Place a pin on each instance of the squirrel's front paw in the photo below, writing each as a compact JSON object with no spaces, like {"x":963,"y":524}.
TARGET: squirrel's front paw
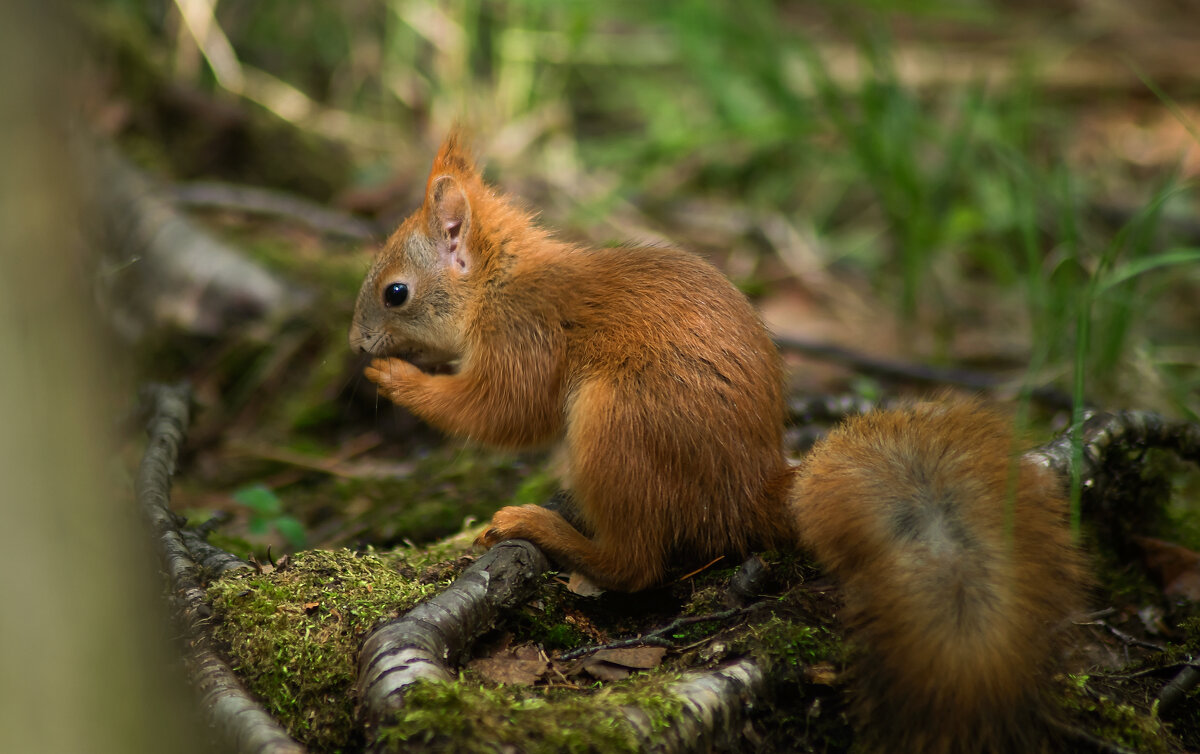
{"x":512,"y":522}
{"x":392,"y":376}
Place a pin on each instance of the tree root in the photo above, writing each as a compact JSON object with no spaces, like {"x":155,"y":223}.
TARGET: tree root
{"x":1103,"y":433}
{"x":1175,"y":691}
{"x":419,"y":644}
{"x":714,"y":707}
{"x":243,"y":724}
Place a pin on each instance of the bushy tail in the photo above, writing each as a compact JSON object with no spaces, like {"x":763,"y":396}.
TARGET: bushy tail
{"x":957,"y":567}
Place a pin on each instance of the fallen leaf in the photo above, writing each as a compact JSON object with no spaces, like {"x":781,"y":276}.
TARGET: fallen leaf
{"x":638,"y":658}
{"x":822,"y":673}
{"x":523,"y":665}
{"x":581,"y":585}
{"x":1178,"y":568}
{"x":615,"y":664}
{"x":584,"y":625}
{"x":602,"y":671}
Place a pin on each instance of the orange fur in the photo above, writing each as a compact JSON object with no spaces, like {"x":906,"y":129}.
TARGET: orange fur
{"x":652,"y":368}
{"x":957,"y":567}
{"x":666,"y":390}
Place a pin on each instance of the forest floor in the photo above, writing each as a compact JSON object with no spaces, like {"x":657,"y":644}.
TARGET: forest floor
{"x":931,"y":190}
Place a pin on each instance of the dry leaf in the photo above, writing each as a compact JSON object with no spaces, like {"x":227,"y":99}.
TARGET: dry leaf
{"x":638,"y":658}
{"x":581,"y":585}
{"x":523,"y":665}
{"x":602,"y":671}
{"x":1178,"y":568}
{"x":615,"y":664}
{"x":822,"y":673}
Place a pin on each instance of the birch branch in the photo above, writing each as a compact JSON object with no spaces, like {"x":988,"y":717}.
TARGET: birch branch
{"x":243,"y":724}
{"x":421,"y":643}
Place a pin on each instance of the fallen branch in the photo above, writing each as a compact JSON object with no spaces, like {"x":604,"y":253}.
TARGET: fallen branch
{"x":1176,"y":691}
{"x":1101,"y":433}
{"x":714,"y":707}
{"x":213,"y":561}
{"x":420,"y":644}
{"x":919,"y":373}
{"x":253,"y":200}
{"x":238,"y":718}
{"x":159,"y":268}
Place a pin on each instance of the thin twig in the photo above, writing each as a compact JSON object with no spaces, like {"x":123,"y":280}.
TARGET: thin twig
{"x":657,"y":636}
{"x":919,"y":373}
{"x":1158,"y":670}
{"x":704,"y":567}
{"x":1127,"y":638}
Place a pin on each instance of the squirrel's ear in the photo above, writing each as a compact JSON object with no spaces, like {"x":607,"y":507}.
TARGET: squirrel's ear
{"x":450,"y":221}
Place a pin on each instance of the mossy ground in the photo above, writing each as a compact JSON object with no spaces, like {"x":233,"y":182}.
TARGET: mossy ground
{"x":961,"y":225}
{"x":1113,"y":715}
{"x":293,"y":634}
{"x":473,"y":717}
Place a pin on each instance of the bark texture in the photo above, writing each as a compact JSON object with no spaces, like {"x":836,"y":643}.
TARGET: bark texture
{"x":1103,"y":433}
{"x":715,"y":703}
{"x":239,"y":720}
{"x":422,"y":643}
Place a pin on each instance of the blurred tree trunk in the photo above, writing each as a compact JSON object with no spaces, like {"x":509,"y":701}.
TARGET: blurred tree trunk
{"x":87,"y":665}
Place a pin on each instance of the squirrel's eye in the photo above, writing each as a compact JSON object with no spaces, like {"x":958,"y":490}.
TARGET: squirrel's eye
{"x":395,"y":294}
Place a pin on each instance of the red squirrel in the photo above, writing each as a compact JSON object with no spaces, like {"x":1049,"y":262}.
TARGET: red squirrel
{"x":663,"y":385}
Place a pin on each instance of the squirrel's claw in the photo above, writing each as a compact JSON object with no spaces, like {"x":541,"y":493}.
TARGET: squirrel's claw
{"x":487,"y":538}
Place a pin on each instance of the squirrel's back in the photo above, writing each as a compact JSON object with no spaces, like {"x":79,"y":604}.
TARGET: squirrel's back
{"x":650,"y":367}
{"x":957,"y":566}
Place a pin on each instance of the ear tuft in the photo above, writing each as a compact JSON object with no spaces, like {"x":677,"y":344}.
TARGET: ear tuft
{"x":454,"y":157}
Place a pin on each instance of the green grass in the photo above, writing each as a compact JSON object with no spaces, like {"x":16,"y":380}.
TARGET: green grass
{"x":954,"y":201}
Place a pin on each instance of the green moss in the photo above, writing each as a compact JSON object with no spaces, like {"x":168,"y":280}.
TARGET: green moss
{"x":1113,"y":721}
{"x":710,"y":596}
{"x":1191,"y":633}
{"x":537,"y":488}
{"x":785,"y":642}
{"x":1182,"y":514}
{"x":292,"y":634}
{"x":544,"y":619}
{"x":466,"y":716}
{"x":442,"y":490}
{"x":562,"y":636}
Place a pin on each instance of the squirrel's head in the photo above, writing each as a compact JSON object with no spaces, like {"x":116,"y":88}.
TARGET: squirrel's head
{"x":411,"y":303}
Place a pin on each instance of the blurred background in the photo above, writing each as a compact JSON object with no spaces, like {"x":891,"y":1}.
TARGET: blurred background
{"x":1007,"y":187}
{"x":193,"y":189}
{"x":946,"y":181}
